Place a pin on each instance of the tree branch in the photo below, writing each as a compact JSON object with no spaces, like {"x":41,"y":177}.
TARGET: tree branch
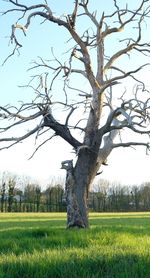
{"x":60,"y":129}
{"x":129,"y":144}
{"x":17,"y":140}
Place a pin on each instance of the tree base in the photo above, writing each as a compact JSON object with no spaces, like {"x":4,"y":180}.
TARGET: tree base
{"x":76,"y":225}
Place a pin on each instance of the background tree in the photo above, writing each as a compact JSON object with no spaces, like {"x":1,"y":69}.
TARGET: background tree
{"x":100,"y":195}
{"x":145,"y":196}
{"x":18,"y":198}
{"x":3,"y":190}
{"x":11,"y":187}
{"x":30,"y":197}
{"x":54,"y":195}
{"x":105,"y":107}
{"x":38,"y":197}
{"x":136,"y":197}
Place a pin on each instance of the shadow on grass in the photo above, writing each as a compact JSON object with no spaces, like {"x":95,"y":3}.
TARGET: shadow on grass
{"x":74,"y":266}
{"x":18,"y":241}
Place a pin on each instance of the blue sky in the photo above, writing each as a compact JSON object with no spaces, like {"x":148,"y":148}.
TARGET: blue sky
{"x":127,"y":166}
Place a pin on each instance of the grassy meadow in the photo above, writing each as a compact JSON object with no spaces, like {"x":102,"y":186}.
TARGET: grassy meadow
{"x":37,"y":245}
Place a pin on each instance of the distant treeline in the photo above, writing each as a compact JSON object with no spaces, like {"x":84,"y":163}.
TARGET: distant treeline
{"x":105,"y":197}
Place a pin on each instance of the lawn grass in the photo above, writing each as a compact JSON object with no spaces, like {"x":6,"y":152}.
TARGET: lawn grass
{"x":37,"y":245}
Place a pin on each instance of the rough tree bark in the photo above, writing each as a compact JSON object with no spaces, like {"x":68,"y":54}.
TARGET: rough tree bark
{"x":105,"y":118}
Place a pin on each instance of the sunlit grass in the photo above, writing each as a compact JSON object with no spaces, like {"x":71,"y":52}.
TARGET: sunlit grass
{"x":38,"y":246}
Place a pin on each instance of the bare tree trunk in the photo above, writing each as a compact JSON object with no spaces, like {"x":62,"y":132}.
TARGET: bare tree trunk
{"x":78,"y":181}
{"x":76,"y":198}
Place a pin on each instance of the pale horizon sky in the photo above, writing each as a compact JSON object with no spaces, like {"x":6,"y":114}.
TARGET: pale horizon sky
{"x":128,"y":166}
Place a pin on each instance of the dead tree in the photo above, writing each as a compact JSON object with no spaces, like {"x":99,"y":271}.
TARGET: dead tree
{"x":109,"y":106}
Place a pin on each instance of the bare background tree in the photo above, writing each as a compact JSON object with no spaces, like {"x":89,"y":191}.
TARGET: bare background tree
{"x":96,"y":116}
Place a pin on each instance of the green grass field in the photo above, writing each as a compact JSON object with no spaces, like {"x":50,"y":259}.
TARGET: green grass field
{"x":38,"y":246}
